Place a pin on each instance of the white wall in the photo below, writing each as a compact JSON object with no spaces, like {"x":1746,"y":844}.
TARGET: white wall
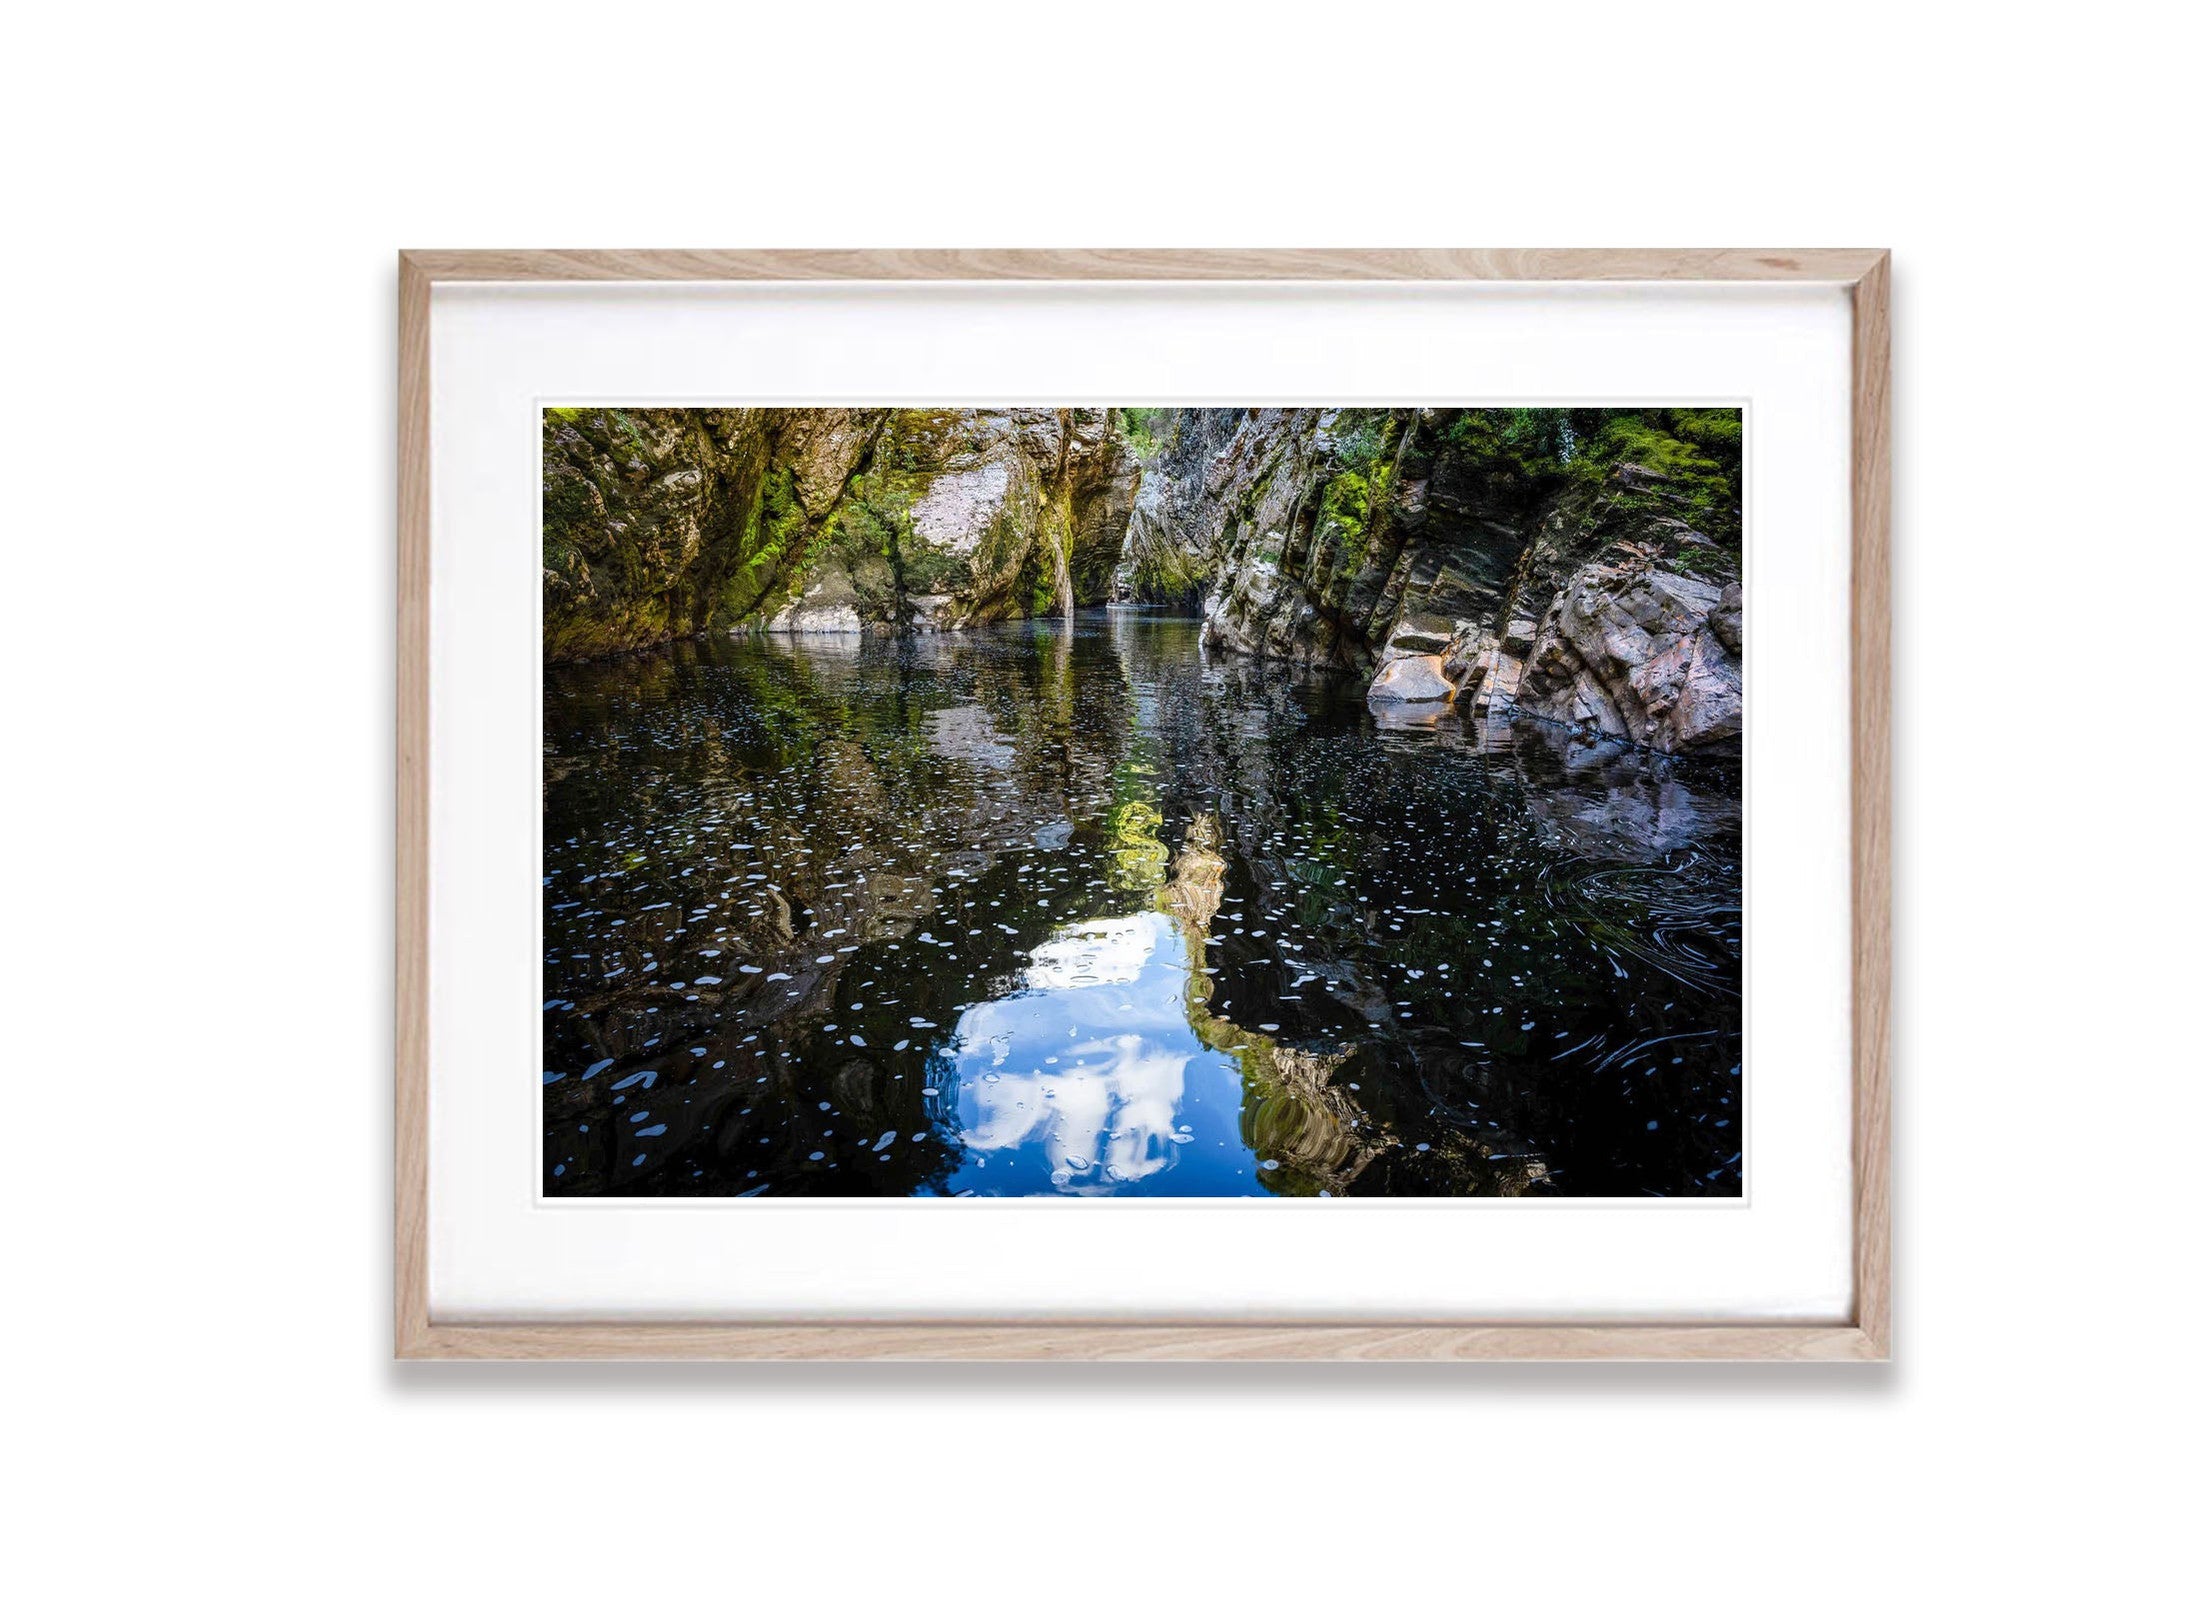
{"x":197,"y":492}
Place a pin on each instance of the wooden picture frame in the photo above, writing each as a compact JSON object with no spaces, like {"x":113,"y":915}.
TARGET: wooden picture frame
{"x":1862,"y":1336}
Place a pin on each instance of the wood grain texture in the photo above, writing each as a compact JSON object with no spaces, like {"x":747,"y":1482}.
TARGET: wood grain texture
{"x":1207,"y":266}
{"x":1866,"y":1337}
{"x":412,"y":805}
{"x":1870,"y":623}
{"x":1039,"y":1340}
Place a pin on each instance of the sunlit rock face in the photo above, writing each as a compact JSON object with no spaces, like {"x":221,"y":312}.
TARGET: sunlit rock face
{"x":823,"y":611}
{"x":1419,"y":635}
{"x":987,"y":515}
{"x":960,"y":506}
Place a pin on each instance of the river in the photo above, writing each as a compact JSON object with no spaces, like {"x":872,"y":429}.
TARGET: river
{"x":1079,"y":910}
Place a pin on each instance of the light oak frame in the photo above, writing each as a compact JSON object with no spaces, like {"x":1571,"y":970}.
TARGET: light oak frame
{"x":1862,"y":1336}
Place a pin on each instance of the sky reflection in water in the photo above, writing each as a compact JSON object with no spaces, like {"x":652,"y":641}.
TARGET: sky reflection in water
{"x":1081,"y":912}
{"x":1092,"y":1079}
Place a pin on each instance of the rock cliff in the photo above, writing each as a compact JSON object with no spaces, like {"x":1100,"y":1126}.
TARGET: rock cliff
{"x":1577,"y":565}
{"x":1581,"y":566}
{"x":660,"y":524}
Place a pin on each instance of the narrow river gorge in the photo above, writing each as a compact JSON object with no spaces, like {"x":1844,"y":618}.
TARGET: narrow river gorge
{"x":1110,"y":803}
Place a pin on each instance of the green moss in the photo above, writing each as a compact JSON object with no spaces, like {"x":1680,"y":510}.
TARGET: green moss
{"x":1040,"y":598}
{"x":1695,"y":483}
{"x":1344,"y":505}
{"x":1516,"y":457}
{"x":776,"y":523}
{"x":611,"y":425}
{"x":768,"y":557}
{"x":925,"y":570}
{"x":1356,"y":499}
{"x":1695,"y":561}
{"x":570,"y":517}
{"x":1716,"y":433}
{"x":875,"y":517}
{"x":1168,"y":574}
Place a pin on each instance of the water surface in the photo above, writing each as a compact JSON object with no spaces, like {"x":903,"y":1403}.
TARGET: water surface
{"x":1078,"y":910}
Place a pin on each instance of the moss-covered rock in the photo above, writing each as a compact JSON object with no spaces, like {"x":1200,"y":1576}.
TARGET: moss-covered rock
{"x":663,"y":523}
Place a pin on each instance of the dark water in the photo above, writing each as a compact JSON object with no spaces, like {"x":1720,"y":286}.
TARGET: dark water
{"x":1081,"y":911}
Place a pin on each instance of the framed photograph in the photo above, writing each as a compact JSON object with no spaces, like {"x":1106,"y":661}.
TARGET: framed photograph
{"x":1130,"y":804}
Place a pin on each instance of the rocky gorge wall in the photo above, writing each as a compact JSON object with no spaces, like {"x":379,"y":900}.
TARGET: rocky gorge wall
{"x":1577,"y":565}
{"x":660,"y":524}
{"x":1580,"y":565}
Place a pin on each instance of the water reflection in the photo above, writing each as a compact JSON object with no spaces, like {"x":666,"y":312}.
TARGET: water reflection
{"x":1077,"y":910}
{"x":1080,"y":1080}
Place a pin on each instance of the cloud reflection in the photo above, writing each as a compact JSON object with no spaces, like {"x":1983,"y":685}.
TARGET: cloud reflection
{"x":1085,"y":1069}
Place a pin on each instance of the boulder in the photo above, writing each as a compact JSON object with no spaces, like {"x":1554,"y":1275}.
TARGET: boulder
{"x":1411,"y":678}
{"x":828,"y":604}
{"x":817,"y":619}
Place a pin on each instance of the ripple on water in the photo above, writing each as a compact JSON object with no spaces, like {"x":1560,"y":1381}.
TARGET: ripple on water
{"x":1118,"y":919}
